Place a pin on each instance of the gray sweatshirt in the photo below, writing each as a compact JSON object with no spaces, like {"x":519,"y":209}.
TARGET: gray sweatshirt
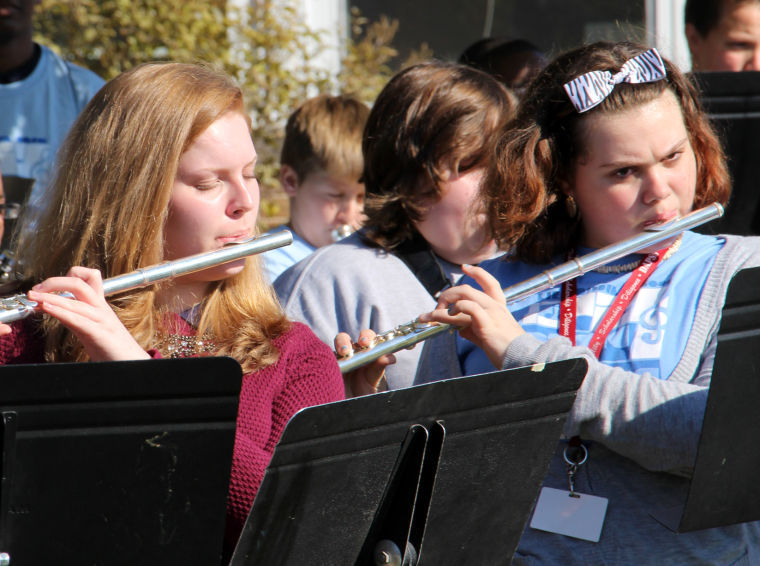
{"x":349,"y":286}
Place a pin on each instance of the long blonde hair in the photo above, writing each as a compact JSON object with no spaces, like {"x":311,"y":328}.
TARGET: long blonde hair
{"x":107,"y":207}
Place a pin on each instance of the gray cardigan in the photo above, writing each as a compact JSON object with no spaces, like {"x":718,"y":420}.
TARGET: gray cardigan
{"x":643,"y":434}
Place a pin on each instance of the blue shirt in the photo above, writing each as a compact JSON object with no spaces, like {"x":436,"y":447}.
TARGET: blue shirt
{"x":278,"y":260}
{"x":37,"y":113}
{"x":652,"y":333}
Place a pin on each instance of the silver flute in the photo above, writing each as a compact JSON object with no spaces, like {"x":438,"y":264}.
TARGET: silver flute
{"x":409,"y":334}
{"x":342,"y":231}
{"x":17,"y":307}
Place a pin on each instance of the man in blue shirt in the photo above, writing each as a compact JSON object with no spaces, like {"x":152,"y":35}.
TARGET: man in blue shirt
{"x":40,"y":96}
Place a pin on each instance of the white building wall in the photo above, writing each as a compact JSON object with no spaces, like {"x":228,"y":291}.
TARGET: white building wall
{"x":665,"y":30}
{"x":330,"y":19}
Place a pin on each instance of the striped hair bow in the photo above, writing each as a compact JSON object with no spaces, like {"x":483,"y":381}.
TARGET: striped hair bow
{"x":591,"y":88}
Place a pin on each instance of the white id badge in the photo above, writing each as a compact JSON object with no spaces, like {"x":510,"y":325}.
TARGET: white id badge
{"x":578,"y":517}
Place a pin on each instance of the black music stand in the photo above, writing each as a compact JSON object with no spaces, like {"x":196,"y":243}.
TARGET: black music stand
{"x":724,"y":488}
{"x":732,"y":101}
{"x":446,"y":471}
{"x":117,"y":463}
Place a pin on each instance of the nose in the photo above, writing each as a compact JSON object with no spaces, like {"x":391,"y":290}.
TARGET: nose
{"x":350,"y":212}
{"x":753,"y":61}
{"x":655,"y":187}
{"x":243,"y":197}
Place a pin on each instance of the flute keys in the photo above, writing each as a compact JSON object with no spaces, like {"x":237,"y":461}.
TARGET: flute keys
{"x":17,"y":302}
{"x":399,"y":331}
{"x":356,"y":347}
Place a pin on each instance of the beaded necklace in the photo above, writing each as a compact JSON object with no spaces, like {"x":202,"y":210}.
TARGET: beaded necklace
{"x":175,"y":345}
{"x":183,"y":345}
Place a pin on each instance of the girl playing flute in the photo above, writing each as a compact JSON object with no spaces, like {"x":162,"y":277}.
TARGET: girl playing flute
{"x":608,"y":140}
{"x":160,"y":165}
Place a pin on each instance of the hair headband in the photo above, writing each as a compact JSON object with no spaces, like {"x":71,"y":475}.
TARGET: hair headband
{"x":590,"y":89}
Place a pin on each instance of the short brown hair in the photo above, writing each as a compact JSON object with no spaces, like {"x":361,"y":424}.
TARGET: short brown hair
{"x":705,"y":15}
{"x":325,"y":134}
{"x":429,"y":118}
{"x":535,"y":156}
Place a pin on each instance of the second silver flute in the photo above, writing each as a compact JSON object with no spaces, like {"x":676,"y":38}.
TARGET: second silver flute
{"x":19,"y":306}
{"x":409,"y":334}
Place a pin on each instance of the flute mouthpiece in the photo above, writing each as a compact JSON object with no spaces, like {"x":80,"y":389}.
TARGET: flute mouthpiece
{"x":341,"y":232}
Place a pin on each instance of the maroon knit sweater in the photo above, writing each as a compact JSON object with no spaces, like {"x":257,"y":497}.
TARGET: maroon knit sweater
{"x":305,"y":374}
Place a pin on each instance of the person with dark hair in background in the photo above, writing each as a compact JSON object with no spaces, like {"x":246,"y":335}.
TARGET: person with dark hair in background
{"x":514,"y":62}
{"x":723,"y":35}
{"x":40,"y":95}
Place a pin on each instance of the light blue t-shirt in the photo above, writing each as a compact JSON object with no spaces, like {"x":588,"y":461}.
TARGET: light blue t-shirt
{"x":278,"y":260}
{"x":652,"y":333}
{"x":37,"y":113}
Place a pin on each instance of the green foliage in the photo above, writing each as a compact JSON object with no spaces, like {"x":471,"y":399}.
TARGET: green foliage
{"x":264,"y":45}
{"x":366,"y":67}
{"x":370,"y":55}
{"x":111,"y":36}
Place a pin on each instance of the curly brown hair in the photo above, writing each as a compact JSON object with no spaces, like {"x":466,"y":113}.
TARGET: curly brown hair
{"x":535,"y":155}
{"x":430,"y":118}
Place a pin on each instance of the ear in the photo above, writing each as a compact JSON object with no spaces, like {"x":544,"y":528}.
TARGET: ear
{"x":565,"y":188}
{"x":693,"y":38}
{"x":289,"y":180}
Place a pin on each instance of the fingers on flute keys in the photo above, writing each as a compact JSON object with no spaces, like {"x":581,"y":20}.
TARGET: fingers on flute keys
{"x":345,"y":348}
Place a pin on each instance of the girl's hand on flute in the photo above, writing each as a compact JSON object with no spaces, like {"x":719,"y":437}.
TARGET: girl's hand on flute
{"x":87,"y":315}
{"x":367,"y":379}
{"x":482,"y":316}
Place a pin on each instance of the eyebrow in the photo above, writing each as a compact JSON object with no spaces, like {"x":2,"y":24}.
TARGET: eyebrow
{"x":627,"y":162}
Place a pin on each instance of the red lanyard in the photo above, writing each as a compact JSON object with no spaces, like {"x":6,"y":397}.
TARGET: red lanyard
{"x":568,"y":306}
